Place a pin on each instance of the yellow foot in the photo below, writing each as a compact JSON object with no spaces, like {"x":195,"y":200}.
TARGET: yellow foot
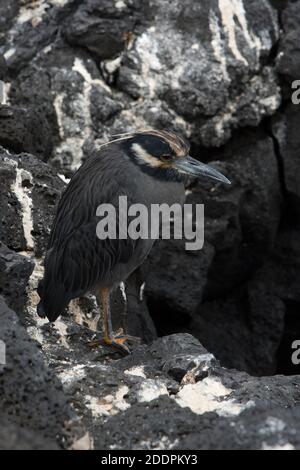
{"x":116,"y":342}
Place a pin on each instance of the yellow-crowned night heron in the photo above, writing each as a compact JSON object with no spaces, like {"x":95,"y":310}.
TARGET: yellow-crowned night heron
{"x":149,"y":168}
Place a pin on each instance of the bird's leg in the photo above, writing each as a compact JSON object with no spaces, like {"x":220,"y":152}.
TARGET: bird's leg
{"x":123,"y":327}
{"x":109,"y":339}
{"x":104,"y":300}
{"x":122,"y":331}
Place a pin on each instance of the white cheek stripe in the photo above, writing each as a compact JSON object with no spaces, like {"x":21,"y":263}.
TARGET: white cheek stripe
{"x":145,"y":157}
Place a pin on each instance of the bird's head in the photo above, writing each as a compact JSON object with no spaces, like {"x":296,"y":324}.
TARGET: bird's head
{"x":166,"y":155}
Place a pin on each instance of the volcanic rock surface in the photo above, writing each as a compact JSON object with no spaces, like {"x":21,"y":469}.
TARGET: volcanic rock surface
{"x":215,"y":369}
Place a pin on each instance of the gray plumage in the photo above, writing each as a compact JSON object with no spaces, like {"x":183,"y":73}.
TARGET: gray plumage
{"x":146,"y":167}
{"x":77,"y":261}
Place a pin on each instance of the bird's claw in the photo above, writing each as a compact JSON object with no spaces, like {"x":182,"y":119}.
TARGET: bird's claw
{"x":117,"y":342}
{"x":120,"y":335}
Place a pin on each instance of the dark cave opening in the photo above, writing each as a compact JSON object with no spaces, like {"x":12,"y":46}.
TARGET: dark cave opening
{"x":166,"y":320}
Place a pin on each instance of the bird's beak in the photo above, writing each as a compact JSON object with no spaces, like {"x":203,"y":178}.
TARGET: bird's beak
{"x":193,"y":167}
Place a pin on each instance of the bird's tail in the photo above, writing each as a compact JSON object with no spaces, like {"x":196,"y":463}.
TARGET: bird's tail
{"x":53,"y":301}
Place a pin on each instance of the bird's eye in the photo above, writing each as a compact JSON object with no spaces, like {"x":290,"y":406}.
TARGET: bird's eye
{"x":167,"y":158}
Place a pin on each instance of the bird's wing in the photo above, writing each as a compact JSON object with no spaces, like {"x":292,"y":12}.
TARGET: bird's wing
{"x":77,"y":259}
{"x":84,"y":260}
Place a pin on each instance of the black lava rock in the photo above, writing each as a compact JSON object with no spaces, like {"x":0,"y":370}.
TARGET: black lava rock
{"x":25,"y":130}
{"x":15,"y":271}
{"x":15,"y":437}
{"x":286,"y":132}
{"x":8,"y":12}
{"x":30,"y":190}
{"x":30,"y":393}
{"x":103,"y":28}
{"x":289,"y":54}
{"x":3,"y":67}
